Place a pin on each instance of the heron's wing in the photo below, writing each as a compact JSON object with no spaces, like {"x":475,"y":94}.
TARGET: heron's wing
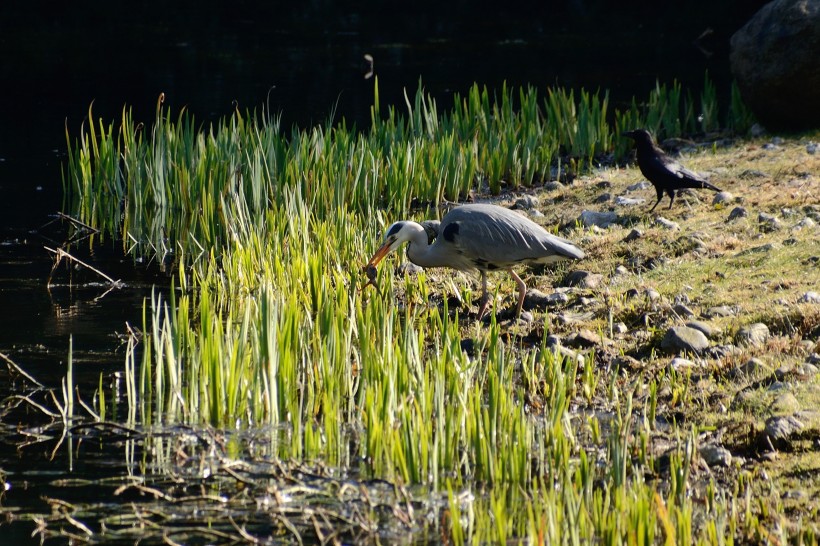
{"x":495,"y":237}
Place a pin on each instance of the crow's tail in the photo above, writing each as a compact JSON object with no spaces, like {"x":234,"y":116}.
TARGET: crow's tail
{"x":690,"y":182}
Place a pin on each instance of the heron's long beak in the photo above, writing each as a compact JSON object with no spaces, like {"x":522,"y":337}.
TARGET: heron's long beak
{"x":383,"y":251}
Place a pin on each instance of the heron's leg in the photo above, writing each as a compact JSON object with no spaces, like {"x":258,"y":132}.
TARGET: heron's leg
{"x":671,"y":197}
{"x":522,"y":291}
{"x":485,"y":299}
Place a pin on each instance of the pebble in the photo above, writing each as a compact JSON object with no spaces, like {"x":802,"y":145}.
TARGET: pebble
{"x":535,"y":299}
{"x":722,"y":197}
{"x":754,"y":366}
{"x":715,"y":455}
{"x":785,"y":403}
{"x":738,"y":212}
{"x":583,"y":279}
{"x":409,"y":268}
{"x":568,"y":354}
{"x":633,"y":235}
{"x":652,"y":294}
{"x":782,"y":427}
{"x":806,"y":222}
{"x":719,"y":311}
{"x":589,"y":218}
{"x":668,"y":224}
{"x":619,"y":328}
{"x":526,"y":202}
{"x":629,"y":201}
{"x":754,"y":334}
{"x":679,"y":363}
{"x":638,"y":186}
{"x":585,"y":339}
{"x":603,"y":198}
{"x":684,"y":338}
{"x":553,"y":186}
{"x":769,"y":223}
{"x":809,"y":297}
{"x":811,"y":148}
{"x":707,"y":329}
{"x":806,"y":369}
{"x":621,"y":270}
{"x":683,"y":310}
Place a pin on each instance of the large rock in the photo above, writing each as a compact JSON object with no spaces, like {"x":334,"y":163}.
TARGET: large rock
{"x":774,"y":59}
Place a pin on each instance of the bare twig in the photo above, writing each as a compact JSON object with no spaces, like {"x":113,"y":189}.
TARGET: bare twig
{"x":20,"y":370}
{"x":62,"y":253}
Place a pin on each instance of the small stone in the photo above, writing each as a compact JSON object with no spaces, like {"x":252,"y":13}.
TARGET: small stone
{"x":751,"y":173}
{"x":638,"y":186}
{"x":535,"y":299}
{"x":806,"y":345}
{"x":722,"y":197}
{"x":553,"y":340}
{"x":715,"y":455}
{"x":719,"y":311}
{"x":684,"y":338}
{"x":707,"y":329}
{"x":777,"y":141}
{"x":723,"y":351}
{"x":683,"y":310}
{"x":629,"y":201}
{"x":589,"y":218}
{"x":782,"y":372}
{"x":769,"y":223}
{"x":809,"y":297}
{"x":568,"y":354}
{"x":783,"y":427}
{"x":679,"y":364}
{"x":526,"y":202}
{"x":652,"y":294}
{"x":811,"y":148}
{"x":754,"y":366}
{"x":785,"y":403}
{"x":633,"y":235}
{"x":806,"y":222}
{"x":807,"y":370}
{"x":603,"y":198}
{"x":535,"y":213}
{"x":409,"y":268}
{"x":762,"y":249}
{"x":668,"y":224}
{"x":585,"y":339}
{"x":738,"y":212}
{"x":754,"y":334}
{"x":628,"y":362}
{"x":621,"y":270}
{"x":619,"y":328}
{"x":583,"y":279}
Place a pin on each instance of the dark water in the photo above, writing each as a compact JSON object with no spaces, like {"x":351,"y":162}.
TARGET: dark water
{"x":305,"y":60}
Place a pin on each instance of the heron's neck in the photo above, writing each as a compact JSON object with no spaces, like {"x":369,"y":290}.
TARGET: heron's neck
{"x":421,"y":253}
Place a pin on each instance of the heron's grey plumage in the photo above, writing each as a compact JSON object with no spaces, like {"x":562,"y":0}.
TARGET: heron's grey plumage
{"x":479,"y":236}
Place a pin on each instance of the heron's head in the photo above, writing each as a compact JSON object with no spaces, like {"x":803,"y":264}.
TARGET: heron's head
{"x":398,"y":233}
{"x":639,"y":136}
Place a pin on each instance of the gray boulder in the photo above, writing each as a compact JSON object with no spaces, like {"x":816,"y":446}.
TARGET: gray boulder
{"x":774,"y":59}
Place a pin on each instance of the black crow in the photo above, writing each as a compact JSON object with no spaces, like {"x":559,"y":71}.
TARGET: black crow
{"x":666,"y":174}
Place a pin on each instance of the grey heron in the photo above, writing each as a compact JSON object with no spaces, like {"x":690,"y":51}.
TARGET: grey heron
{"x":478,"y":236}
{"x":666,"y":174}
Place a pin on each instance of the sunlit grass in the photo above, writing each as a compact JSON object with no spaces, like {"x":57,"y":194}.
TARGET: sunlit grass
{"x":268,"y":324}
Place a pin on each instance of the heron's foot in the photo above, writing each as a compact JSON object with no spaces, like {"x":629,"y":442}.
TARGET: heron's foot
{"x":483,"y":307}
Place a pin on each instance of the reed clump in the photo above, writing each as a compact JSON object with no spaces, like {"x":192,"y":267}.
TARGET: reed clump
{"x":268,"y":326}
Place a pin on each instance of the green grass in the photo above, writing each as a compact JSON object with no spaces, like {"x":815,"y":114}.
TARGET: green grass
{"x":269,"y":324}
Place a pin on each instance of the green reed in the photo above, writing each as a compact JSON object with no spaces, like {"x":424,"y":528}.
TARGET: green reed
{"x":270,"y":325}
